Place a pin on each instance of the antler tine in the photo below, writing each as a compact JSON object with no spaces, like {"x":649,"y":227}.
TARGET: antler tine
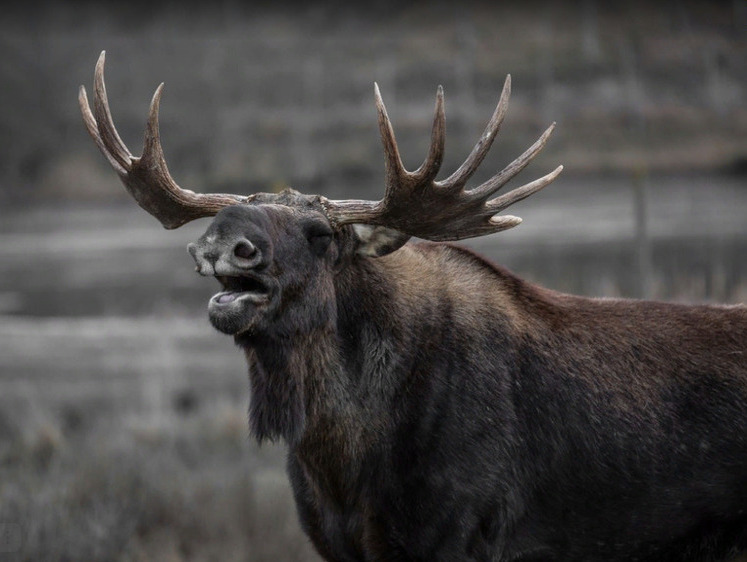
{"x":394,"y":168}
{"x":416,"y":205}
{"x":515,"y":195}
{"x":152,"y":150}
{"x":485,"y":190}
{"x":103,"y":115}
{"x":457,"y":180}
{"x":432,"y":163}
{"x":146,"y":178}
{"x":92,"y":126}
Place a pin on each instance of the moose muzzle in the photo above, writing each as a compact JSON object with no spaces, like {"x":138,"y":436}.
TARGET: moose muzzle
{"x":215,"y":256}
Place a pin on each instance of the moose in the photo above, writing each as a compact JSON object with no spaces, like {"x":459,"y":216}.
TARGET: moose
{"x":434,"y":405}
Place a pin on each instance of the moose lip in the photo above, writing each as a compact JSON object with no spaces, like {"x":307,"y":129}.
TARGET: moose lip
{"x":241,"y":288}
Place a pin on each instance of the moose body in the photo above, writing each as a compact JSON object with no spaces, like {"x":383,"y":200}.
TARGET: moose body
{"x":452,"y":411}
{"x":437,"y":407}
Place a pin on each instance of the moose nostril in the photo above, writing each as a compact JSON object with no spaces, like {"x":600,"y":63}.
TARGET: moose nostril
{"x":245,"y":249}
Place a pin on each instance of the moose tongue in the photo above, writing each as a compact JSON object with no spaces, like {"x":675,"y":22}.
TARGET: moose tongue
{"x":227,"y":297}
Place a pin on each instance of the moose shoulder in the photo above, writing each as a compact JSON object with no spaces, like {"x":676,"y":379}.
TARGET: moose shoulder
{"x":437,"y":407}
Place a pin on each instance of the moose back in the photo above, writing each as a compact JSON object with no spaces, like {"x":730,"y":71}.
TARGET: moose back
{"x":437,"y":407}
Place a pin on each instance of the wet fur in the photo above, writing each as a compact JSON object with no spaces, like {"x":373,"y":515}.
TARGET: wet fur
{"x":440,"y":408}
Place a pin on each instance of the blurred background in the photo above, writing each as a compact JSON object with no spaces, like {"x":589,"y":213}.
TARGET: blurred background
{"x":123,"y":432}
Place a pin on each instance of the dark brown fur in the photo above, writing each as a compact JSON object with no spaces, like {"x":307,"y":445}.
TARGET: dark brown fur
{"x":437,"y":407}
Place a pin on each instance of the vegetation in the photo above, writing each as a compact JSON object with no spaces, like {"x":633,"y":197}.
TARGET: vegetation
{"x":184,"y":488}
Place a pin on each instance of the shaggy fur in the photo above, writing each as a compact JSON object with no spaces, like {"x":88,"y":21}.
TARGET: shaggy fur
{"x":436,"y":407}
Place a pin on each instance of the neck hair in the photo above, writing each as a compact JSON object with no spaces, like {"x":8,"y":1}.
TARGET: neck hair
{"x":324,"y":361}
{"x":288,"y":376}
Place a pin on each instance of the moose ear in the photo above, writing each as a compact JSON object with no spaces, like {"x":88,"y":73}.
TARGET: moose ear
{"x":377,"y":241}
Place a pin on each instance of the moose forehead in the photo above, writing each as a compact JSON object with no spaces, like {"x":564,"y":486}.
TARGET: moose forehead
{"x":268,"y":216}
{"x":289,"y":198}
{"x":265,"y":210}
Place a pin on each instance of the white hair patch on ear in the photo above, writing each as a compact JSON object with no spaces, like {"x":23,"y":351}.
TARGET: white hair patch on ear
{"x":377,"y":241}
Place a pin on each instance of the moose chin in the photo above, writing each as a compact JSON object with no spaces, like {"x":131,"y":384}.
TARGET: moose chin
{"x":437,"y":407}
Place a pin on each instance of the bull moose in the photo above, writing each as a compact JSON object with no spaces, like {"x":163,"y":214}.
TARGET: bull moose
{"x":437,"y":407}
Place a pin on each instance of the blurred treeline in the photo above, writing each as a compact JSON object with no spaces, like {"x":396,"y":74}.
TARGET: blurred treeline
{"x":262,"y":95}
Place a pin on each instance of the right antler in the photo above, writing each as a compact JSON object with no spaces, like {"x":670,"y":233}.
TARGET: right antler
{"x":147,"y":178}
{"x":416,"y":204}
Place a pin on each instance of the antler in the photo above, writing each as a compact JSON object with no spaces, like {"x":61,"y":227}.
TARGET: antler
{"x":147,"y":178}
{"x":414,"y":203}
{"x":443,"y":210}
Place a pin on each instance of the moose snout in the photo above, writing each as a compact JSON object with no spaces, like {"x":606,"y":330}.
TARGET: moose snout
{"x":227,"y":257}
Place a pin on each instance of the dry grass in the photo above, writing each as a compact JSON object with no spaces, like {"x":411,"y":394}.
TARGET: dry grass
{"x":183,"y":489}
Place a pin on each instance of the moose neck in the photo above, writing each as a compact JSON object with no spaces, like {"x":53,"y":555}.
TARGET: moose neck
{"x":326,"y":374}
{"x":284,"y":374}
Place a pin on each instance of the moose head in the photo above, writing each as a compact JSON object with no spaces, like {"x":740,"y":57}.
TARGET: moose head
{"x":276,"y":255}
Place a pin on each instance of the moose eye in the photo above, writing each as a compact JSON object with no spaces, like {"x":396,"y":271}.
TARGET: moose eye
{"x":319,"y":236}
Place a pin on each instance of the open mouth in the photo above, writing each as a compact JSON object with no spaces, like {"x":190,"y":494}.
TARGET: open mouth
{"x":241,"y":288}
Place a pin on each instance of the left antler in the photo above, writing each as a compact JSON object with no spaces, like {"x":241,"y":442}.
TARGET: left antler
{"x":147,"y":178}
{"x":416,"y":204}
